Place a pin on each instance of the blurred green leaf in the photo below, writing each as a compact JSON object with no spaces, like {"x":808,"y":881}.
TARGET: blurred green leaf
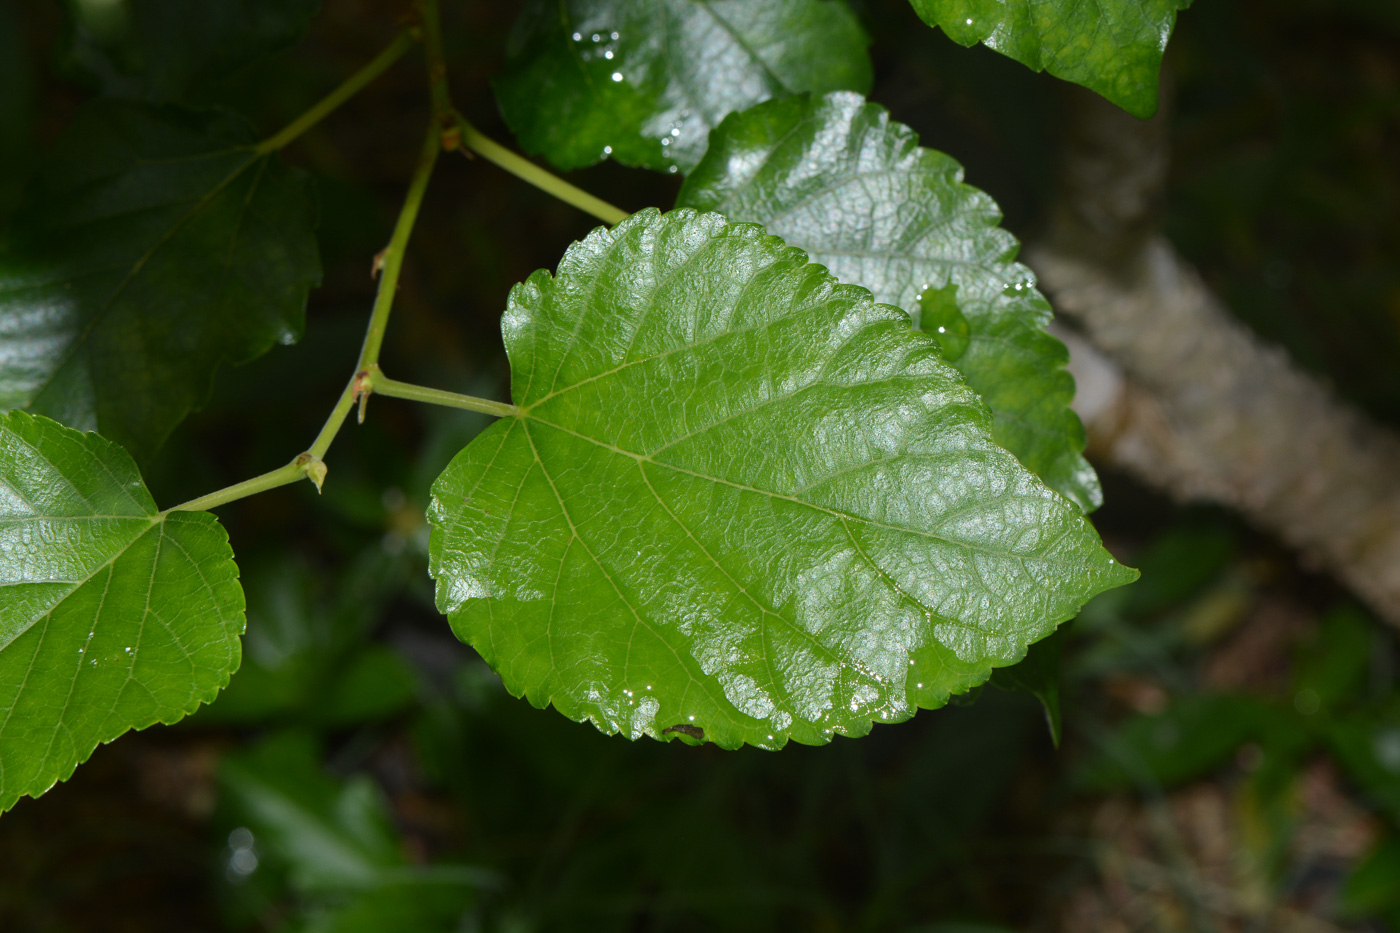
{"x":167,"y":49}
{"x":331,"y":835}
{"x":643,"y":81}
{"x":336,"y":844}
{"x":376,"y":682}
{"x":306,"y":656}
{"x":836,"y":177}
{"x":688,"y":530}
{"x":155,"y":244}
{"x":115,"y":616}
{"x":1374,"y":886}
{"x":1194,"y":736}
{"x":1179,"y":564}
{"x":420,"y":906}
{"x":1333,"y":664}
{"x":1113,"y":47}
{"x":1367,"y":745}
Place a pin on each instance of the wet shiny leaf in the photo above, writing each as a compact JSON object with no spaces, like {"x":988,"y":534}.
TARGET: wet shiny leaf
{"x":155,"y":245}
{"x":1113,"y":47}
{"x":643,"y":81}
{"x":742,"y":501}
{"x":114,"y":616}
{"x":835,"y":176}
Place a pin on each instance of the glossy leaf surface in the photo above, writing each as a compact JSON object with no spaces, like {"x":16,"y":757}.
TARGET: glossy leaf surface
{"x":1113,"y":47}
{"x":114,"y":616}
{"x":835,"y":176}
{"x":741,"y":501}
{"x":643,"y":81}
{"x":169,"y":49}
{"x":155,"y":245}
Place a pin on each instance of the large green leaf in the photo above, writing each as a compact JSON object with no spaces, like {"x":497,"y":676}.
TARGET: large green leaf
{"x":836,"y":177}
{"x":1113,"y":47}
{"x":167,"y":49}
{"x":643,"y":81}
{"x":156,"y":244}
{"x":742,"y":501}
{"x":114,"y":616}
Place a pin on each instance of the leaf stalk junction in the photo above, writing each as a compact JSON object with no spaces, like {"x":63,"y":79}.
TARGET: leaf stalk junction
{"x":448,"y":130}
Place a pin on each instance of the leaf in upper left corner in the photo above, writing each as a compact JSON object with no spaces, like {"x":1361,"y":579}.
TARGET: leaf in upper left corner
{"x":156,"y":244}
{"x":643,"y":81}
{"x":115,"y":616}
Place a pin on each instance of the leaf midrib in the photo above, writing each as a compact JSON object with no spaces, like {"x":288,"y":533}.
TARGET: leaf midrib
{"x":835,"y":513}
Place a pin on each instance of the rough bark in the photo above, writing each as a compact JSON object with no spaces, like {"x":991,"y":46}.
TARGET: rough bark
{"x":1176,"y":391}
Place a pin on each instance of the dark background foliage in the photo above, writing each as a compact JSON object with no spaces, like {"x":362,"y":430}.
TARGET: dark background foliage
{"x":1232,"y":750}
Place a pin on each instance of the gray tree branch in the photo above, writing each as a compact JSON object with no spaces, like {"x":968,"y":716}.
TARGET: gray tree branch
{"x":1176,"y":391}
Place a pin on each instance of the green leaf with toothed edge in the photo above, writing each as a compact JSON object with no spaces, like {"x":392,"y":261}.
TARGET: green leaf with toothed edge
{"x":836,"y":177}
{"x":742,"y":501}
{"x":1113,"y":47}
{"x":643,"y":81}
{"x":155,"y":244}
{"x":114,"y":616}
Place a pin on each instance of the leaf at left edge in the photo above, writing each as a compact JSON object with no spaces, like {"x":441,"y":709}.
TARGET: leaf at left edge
{"x":742,"y":502}
{"x":115,"y":616}
{"x":155,"y":245}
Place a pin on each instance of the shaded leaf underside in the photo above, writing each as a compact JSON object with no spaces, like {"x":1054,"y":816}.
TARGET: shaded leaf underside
{"x":156,"y":245}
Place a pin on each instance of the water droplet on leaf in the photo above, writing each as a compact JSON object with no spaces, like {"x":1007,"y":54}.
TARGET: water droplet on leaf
{"x":940,"y":316}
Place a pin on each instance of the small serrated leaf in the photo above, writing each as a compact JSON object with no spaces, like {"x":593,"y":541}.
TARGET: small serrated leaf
{"x":114,"y":617}
{"x":1113,"y":47}
{"x":156,"y":244}
{"x":643,"y":81}
{"x":742,"y":501}
{"x":835,"y":176}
